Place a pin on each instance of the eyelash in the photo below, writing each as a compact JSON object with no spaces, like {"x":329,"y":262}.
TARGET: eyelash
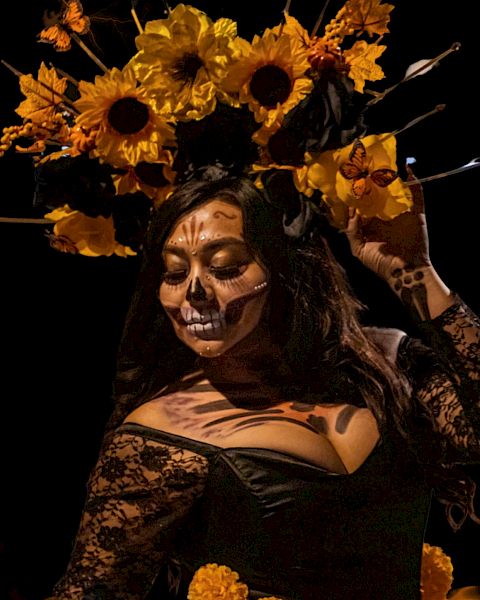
{"x":223,"y":273}
{"x":220,"y":273}
{"x":174,"y":277}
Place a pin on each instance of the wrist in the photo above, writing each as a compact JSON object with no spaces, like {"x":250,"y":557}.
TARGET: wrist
{"x":421,"y":290}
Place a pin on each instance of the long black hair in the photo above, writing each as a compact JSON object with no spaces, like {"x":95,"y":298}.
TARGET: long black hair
{"x":320,"y":335}
{"x":313,"y":316}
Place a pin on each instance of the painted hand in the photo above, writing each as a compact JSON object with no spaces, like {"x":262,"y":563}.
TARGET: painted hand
{"x":389,"y":248}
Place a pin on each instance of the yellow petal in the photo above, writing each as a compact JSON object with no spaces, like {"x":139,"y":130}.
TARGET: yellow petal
{"x":92,"y":236}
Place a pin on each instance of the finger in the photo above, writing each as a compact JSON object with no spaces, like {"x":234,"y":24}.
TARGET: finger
{"x":417,"y":192}
{"x":353,"y":231}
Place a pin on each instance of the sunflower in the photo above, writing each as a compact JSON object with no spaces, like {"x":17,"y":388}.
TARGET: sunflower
{"x":182,"y":59}
{"x":156,"y":180}
{"x":74,"y":232}
{"x":129,"y":129}
{"x":362,"y":175}
{"x":271,"y":75}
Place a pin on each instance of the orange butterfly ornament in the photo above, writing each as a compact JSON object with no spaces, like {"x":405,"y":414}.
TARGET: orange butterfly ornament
{"x":60,"y":25}
{"x":356,"y":169}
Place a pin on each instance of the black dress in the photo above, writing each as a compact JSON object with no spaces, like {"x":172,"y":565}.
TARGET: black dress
{"x":160,"y":502}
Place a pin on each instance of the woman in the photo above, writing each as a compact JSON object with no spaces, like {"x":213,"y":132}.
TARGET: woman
{"x":260,"y":426}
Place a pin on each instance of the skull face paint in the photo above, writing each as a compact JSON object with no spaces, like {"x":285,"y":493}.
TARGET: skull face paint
{"x":213,"y":288}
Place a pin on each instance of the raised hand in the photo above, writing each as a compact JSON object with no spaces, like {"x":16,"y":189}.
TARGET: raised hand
{"x":398,"y":252}
{"x":387,"y":246}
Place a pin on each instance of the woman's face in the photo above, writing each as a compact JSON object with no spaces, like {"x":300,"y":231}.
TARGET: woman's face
{"x":213,"y":288}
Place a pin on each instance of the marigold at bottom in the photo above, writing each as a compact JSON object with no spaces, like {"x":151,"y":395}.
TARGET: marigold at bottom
{"x":214,"y":582}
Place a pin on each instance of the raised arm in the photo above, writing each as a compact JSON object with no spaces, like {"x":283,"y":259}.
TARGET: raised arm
{"x":449,"y":389}
{"x":139,"y":491}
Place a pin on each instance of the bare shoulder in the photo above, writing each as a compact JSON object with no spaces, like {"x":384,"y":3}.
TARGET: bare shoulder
{"x":149,"y":414}
{"x":153,"y":413}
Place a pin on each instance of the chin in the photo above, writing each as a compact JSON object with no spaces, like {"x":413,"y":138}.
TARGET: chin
{"x":213,"y":347}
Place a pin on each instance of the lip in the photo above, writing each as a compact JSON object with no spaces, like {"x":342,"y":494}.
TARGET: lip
{"x":211,"y":323}
{"x":207,"y":330}
{"x":192,"y":316}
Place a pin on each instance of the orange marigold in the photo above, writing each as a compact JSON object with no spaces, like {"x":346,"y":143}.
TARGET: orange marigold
{"x":436,"y":574}
{"x":214,"y":582}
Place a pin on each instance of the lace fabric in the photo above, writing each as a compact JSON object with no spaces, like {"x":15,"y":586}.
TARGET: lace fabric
{"x":446,"y":377}
{"x":141,"y":489}
{"x":137,"y":495}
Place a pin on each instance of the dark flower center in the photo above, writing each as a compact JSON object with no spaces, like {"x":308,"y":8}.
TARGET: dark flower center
{"x":151,"y":174}
{"x":270,"y":85}
{"x":186,"y":68}
{"x":128,"y":115}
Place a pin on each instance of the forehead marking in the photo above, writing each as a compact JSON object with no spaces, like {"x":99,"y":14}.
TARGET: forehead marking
{"x":219,"y":213}
{"x":193,"y":233}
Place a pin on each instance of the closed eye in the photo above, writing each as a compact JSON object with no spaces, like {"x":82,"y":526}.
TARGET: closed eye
{"x":175,"y":277}
{"x":230,"y":272}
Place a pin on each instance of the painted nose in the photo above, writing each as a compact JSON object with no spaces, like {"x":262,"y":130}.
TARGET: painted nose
{"x":196,"y":292}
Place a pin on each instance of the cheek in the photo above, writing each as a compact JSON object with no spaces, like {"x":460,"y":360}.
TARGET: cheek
{"x":231,"y":291}
{"x":171,"y":295}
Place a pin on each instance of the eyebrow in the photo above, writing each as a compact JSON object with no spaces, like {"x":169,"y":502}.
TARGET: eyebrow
{"x":207,"y":248}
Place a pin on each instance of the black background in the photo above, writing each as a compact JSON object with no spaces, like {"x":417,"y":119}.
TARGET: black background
{"x":61,"y":316}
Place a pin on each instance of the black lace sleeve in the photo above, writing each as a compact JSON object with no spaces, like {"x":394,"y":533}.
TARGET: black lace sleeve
{"x":446,"y":378}
{"x":137,"y":494}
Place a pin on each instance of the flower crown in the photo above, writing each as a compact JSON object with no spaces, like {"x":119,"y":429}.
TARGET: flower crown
{"x":197,"y":100}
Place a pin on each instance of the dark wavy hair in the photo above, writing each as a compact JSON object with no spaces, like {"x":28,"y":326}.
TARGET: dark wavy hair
{"x":312,"y":315}
{"x":320,"y":334}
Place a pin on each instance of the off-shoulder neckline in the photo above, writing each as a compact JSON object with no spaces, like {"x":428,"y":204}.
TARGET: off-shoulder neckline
{"x":211,"y":450}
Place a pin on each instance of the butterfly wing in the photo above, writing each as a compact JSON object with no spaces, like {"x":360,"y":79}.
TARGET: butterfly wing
{"x":360,"y":187}
{"x":383,"y":177}
{"x":356,"y":165}
{"x":74,"y":19}
{"x":57,"y":36}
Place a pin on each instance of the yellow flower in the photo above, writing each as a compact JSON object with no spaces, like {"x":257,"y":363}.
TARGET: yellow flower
{"x":271,"y":75}
{"x":436,"y":574}
{"x":129,"y":129}
{"x":213,"y":582}
{"x":362,"y":175}
{"x":293,"y":29}
{"x":182,"y":59}
{"x":263,"y":135}
{"x":156,"y":180}
{"x":91,"y":236}
{"x":360,"y":60}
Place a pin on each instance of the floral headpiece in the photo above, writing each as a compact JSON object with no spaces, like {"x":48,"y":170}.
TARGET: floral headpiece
{"x":286,"y":109}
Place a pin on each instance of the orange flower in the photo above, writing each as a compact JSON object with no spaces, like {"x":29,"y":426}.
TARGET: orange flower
{"x":437,"y":573}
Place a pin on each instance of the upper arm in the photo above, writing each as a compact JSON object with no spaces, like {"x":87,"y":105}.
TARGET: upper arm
{"x":138,"y":491}
{"x":445,"y":399}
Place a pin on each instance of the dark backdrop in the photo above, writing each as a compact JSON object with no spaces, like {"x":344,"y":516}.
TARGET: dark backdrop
{"x":61,"y":316}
